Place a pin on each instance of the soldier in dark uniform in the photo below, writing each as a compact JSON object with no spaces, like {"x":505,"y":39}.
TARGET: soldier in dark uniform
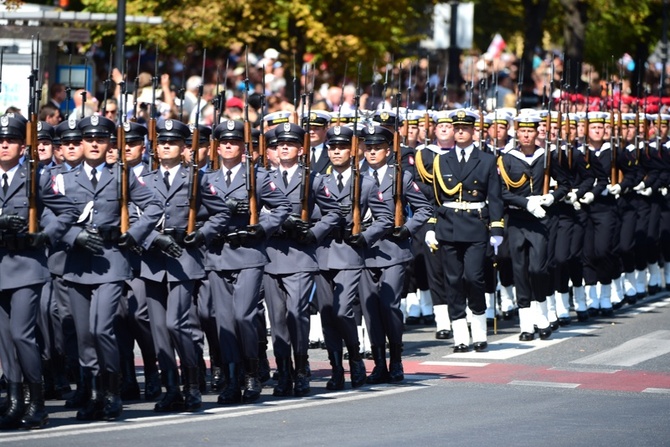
{"x":469,"y":212}
{"x":236,"y":260}
{"x":289,"y":276}
{"x":318,"y":126}
{"x":23,"y":272}
{"x":383,"y":277}
{"x":96,"y":267}
{"x":340,"y":263}
{"x":522,"y":170}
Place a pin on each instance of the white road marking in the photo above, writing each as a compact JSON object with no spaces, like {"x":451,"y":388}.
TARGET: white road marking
{"x":544,"y":384}
{"x":473,"y":364}
{"x":510,"y":347}
{"x":632,"y":352}
{"x":656,"y":390}
{"x":210,"y":414}
{"x":585,"y":370}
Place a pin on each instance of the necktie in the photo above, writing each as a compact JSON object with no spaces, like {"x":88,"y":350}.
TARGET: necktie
{"x":284,"y":176}
{"x":5,"y":183}
{"x":340,"y":184}
{"x":94,"y":178}
{"x":228,"y":173}
{"x":462,"y":157}
{"x":166,"y":179}
{"x":313,"y":159}
{"x":376,"y":176}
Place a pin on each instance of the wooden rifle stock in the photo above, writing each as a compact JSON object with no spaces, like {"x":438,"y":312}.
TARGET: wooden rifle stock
{"x":251,"y":176}
{"x":123,"y":196}
{"x":399,"y":215}
{"x":194,"y":182}
{"x":153,"y":142}
{"x":213,"y":153}
{"x":356,"y":186}
{"x":304,"y":199}
{"x":547,"y":157}
{"x":33,"y":166}
{"x":614,"y":174}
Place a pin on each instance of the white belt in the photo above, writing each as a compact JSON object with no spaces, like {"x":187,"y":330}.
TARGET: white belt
{"x":465,"y":205}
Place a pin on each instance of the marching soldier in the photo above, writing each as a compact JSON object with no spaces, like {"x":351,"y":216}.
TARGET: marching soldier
{"x":341,"y":263}
{"x":522,"y":169}
{"x":318,"y":126}
{"x":23,"y":272}
{"x":235,"y":260}
{"x":289,"y":276}
{"x":469,"y":212}
{"x":96,"y":268}
{"x":170,"y":270}
{"x":386,"y":260}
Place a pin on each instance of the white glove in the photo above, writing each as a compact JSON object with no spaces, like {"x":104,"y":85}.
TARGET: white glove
{"x":495,"y":242}
{"x":664,"y":191}
{"x":431,"y":240}
{"x":645,"y":192}
{"x":547,"y":199}
{"x":535,"y":208}
{"x":571,"y":197}
{"x":587,"y":198}
{"x":577,"y":206}
{"x":639,"y":187}
{"x":614,"y":189}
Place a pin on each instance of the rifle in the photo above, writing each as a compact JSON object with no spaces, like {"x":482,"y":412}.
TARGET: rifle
{"x":587,"y":150}
{"x":445,"y":91}
{"x":153,"y":140}
{"x":547,"y":158}
{"x":620,"y":123}
{"x":344,"y":80}
{"x":195,"y":143}
{"x":481,"y":113}
{"x":613,"y":156}
{"x":123,"y":176}
{"x":294,"y":115}
{"x":262,"y":150}
{"x":136,"y":84}
{"x":251,"y":172}
{"x":83,"y":93}
{"x":559,"y":117}
{"x":216,"y":103}
{"x":107,"y":81}
{"x":386,"y":83}
{"x":405,"y":124}
{"x":182,"y":89}
{"x":355,"y":171}
{"x":68,"y":88}
{"x":31,"y":140}
{"x":398,"y":214}
{"x":122,"y":89}
{"x":2,"y":59}
{"x":307,"y":146}
{"x":645,"y":125}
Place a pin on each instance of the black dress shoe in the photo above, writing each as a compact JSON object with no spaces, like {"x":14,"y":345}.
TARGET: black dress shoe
{"x":653,"y":290}
{"x":357,"y":373}
{"x":396,"y":372}
{"x":607,"y":312}
{"x":593,"y":312}
{"x":509,"y":314}
{"x":554,"y":325}
{"x":617,"y":306}
{"x":443,"y":334}
{"x":429,"y":320}
{"x":172,"y":401}
{"x":461,"y":348}
{"x":130,"y":391}
{"x":582,"y":316}
{"x":564,"y":321}
{"x":336,"y":382}
{"x":368,"y":355}
{"x":314,"y":345}
{"x":631,"y":299}
{"x":412,"y":321}
{"x":480,"y":346}
{"x":526,"y":336}
{"x":545,"y":333}
{"x":490,"y":323}
{"x":152,"y":386}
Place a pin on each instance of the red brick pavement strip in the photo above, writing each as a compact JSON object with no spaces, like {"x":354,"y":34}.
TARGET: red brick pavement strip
{"x":504,"y":373}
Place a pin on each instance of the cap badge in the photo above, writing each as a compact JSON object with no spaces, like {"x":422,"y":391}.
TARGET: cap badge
{"x":4,"y":121}
{"x":313,"y":116}
{"x":337,"y":130}
{"x":384,"y":116}
{"x":287,"y":127}
{"x":230,"y":125}
{"x":94,"y":120}
{"x":126,"y":126}
{"x":371,"y":129}
{"x":72,"y":122}
{"x":39,"y":126}
{"x":191,"y":127}
{"x":460,"y":115}
{"x":169,"y":124}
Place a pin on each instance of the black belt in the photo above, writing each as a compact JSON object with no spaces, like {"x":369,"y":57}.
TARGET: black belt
{"x":178,"y":234}
{"x":108,"y":234}
{"x":15,"y":241}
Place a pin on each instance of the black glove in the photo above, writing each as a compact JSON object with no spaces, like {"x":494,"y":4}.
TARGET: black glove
{"x":307,"y":237}
{"x":255,"y":232}
{"x":401,"y":233}
{"x":38,"y":240}
{"x":291,"y":223}
{"x":91,"y":242}
{"x":237,"y":206}
{"x":357,"y":240}
{"x":12,"y":222}
{"x":194,"y":239}
{"x":167,"y":244}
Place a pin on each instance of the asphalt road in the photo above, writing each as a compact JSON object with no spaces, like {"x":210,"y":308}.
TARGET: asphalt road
{"x":601,"y":383}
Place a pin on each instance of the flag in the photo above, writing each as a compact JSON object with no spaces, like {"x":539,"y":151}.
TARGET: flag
{"x":496,"y":47}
